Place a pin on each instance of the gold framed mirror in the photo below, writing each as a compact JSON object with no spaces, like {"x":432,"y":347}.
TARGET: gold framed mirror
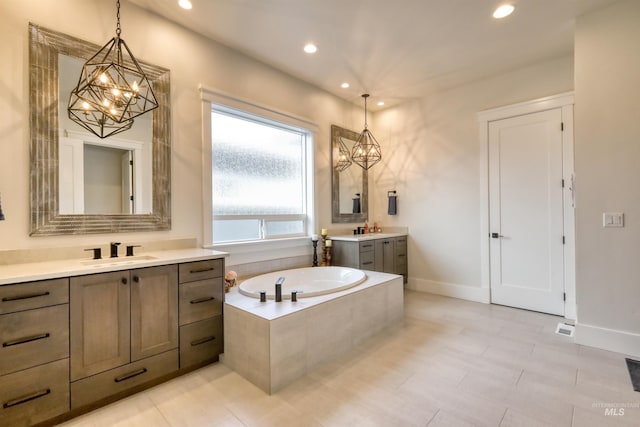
{"x":45,"y":48}
{"x":346,"y":185}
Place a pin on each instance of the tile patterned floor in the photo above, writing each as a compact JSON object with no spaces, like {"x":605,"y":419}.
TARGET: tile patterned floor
{"x":452,"y":363}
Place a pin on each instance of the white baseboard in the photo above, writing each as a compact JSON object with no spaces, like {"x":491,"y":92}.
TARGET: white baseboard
{"x":470,"y":293}
{"x":608,"y":339}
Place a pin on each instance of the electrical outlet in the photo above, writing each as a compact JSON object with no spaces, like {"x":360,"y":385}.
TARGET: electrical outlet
{"x":613,"y":219}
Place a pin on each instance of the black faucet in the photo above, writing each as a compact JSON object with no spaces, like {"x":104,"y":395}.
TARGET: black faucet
{"x":114,"y":249}
{"x":279,"y":283}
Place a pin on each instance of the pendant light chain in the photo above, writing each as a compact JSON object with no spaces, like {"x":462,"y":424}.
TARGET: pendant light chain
{"x":118,"y":29}
{"x":365,"y":96}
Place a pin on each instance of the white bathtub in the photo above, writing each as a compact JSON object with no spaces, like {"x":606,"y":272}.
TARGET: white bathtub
{"x":310,"y":281}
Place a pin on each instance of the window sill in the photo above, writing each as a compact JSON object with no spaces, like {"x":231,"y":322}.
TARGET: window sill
{"x":262,"y":245}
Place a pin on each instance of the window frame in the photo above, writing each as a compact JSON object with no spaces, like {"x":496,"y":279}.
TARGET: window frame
{"x":216,"y":100}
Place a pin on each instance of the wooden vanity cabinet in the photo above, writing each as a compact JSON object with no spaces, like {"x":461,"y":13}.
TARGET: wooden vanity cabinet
{"x":387,"y":255}
{"x":34,"y":356}
{"x":354,"y":254}
{"x":69,"y":343}
{"x":201,"y":300}
{"x":118,"y":319}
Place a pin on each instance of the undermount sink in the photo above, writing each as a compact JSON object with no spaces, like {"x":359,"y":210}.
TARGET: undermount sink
{"x":117,"y":261}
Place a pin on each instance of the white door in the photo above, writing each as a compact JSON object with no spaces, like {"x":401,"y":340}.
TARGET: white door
{"x":526,"y":212}
{"x":127,"y":181}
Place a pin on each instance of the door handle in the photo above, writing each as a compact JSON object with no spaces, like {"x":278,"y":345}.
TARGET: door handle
{"x":496,"y":236}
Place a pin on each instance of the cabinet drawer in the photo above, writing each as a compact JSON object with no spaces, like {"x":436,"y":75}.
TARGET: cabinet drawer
{"x":34,"y":395}
{"x":99,"y":386}
{"x":201,"y":341}
{"x":200,"y":300}
{"x":25,"y":296}
{"x":200,"y":270}
{"x":367,"y":260}
{"x":33,"y":337}
{"x":366,"y":246}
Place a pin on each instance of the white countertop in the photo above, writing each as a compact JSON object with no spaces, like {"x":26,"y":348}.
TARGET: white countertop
{"x":364,"y":237}
{"x":16,"y":273}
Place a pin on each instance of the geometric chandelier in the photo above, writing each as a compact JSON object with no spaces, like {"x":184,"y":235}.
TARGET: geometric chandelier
{"x":112,"y":89}
{"x":344,"y":157}
{"x":366,"y":151}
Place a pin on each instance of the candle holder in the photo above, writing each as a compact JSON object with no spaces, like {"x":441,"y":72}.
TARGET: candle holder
{"x":324,"y":250}
{"x":315,"y":252}
{"x":328,"y":255}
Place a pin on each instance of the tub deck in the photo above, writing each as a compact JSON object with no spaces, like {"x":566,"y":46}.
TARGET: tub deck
{"x":272,"y":344}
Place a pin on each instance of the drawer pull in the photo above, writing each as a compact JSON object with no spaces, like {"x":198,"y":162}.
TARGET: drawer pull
{"x":26,"y":340}
{"x":199,"y":300}
{"x":204,"y":270}
{"x":202,"y":340}
{"x":28,"y":296}
{"x":130,"y":375}
{"x":402,"y":254}
{"x":367,"y":246}
{"x":367,"y":263}
{"x":27,"y":398}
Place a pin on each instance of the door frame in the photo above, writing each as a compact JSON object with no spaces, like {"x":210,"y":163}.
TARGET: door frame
{"x":565,"y":102}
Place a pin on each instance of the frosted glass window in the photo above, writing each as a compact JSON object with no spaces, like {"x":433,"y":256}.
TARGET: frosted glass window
{"x":282,"y":228}
{"x":237,"y":230}
{"x":258,"y":173}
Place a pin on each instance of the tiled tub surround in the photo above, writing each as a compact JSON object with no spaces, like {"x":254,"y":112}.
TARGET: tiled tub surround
{"x":271,"y":344}
{"x":69,"y":327}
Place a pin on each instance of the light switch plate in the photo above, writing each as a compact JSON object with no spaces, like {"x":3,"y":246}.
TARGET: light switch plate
{"x":613,"y":219}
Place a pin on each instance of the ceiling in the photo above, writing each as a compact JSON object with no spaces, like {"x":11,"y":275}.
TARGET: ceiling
{"x":393,"y":49}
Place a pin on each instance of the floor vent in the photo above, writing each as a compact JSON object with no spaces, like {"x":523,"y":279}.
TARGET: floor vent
{"x":565,"y":329}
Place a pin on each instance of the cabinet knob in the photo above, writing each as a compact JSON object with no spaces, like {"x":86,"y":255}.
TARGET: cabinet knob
{"x":136,"y":279}
{"x":124,"y":280}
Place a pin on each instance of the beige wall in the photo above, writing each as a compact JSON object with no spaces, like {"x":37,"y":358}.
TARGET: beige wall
{"x":430,"y":145}
{"x":431,"y":155}
{"x":607,"y":158}
{"x":193,"y":60}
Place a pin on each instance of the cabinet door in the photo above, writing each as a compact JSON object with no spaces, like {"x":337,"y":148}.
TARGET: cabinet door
{"x":344,"y":254}
{"x":154,"y":311}
{"x":99,"y":323}
{"x":385,"y":255}
{"x":389,"y":247}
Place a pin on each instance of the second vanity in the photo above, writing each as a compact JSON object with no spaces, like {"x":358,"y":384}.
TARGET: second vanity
{"x":79,"y":333}
{"x":383,"y":252}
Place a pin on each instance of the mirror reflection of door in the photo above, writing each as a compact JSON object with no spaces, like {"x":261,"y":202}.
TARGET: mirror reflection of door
{"x":106,"y":180}
{"x":350,"y":183}
{"x":110,"y":176}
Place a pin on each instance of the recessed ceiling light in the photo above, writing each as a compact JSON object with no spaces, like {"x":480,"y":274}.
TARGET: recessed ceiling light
{"x":310,"y":48}
{"x":380,"y":104}
{"x":185,"y":4}
{"x":344,"y":85}
{"x":503,"y":11}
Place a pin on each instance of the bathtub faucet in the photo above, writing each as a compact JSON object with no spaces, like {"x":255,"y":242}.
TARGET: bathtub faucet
{"x":279,"y":283}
